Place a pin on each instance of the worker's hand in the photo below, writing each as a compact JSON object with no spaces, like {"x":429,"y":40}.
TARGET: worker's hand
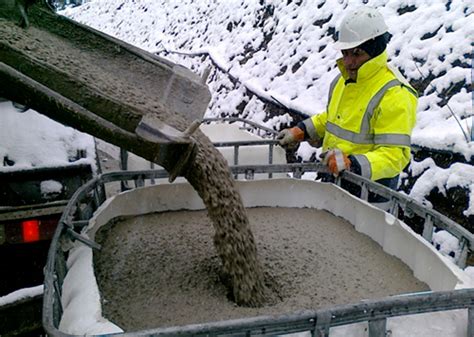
{"x":336,"y":161}
{"x":288,"y":137}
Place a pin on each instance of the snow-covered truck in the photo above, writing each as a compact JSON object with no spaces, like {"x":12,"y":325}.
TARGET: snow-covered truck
{"x":43,"y":163}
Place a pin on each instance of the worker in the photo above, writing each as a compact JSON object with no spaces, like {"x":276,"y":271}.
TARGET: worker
{"x":371,"y":109}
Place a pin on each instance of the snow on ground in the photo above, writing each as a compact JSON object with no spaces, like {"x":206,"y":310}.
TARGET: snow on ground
{"x":456,"y":175}
{"x":284,"y":50}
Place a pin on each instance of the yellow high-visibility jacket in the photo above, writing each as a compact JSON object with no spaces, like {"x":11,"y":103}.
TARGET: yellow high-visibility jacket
{"x":371,"y":119}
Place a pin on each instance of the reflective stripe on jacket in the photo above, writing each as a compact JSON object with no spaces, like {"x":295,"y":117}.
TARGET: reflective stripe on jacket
{"x":371,"y":119}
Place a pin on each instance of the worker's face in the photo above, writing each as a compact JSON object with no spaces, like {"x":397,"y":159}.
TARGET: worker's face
{"x":353,"y":59}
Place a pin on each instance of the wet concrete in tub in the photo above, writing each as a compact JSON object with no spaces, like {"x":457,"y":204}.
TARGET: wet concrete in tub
{"x":162,"y":269}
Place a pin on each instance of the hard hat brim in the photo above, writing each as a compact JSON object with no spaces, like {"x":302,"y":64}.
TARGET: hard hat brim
{"x":346,"y":45}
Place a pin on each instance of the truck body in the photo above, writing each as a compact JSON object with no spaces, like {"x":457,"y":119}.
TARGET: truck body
{"x":43,"y":164}
{"x":28,"y":219}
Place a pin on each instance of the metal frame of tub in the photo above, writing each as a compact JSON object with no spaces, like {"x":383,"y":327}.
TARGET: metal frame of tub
{"x":90,"y":196}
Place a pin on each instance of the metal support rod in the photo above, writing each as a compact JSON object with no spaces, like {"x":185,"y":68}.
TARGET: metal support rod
{"x":139,"y":182}
{"x":96,"y":198}
{"x":394,"y":207}
{"x":378,"y":327}
{"x":61,"y":269}
{"x":80,"y":223}
{"x":79,"y":237}
{"x":236,"y":158}
{"x":297,"y":173}
{"x":152,"y":167}
{"x":464,"y":246}
{"x":428,"y":228}
{"x":470,"y":322}
{"x":364,"y":193}
{"x":57,"y":290}
{"x":270,"y":158}
{"x":323,"y":324}
{"x":249,"y":174}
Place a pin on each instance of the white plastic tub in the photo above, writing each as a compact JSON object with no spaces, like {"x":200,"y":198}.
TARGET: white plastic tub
{"x":81,"y":300}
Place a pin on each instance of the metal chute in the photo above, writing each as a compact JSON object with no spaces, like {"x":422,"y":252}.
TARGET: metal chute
{"x":98,"y":84}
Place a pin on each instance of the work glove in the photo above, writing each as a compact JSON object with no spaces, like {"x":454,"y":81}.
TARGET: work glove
{"x":336,"y":161}
{"x":291,"y":136}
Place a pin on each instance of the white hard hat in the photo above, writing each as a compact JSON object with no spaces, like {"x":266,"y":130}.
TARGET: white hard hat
{"x":359,"y":26}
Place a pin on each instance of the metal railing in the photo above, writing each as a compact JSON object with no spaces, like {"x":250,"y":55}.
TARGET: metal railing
{"x":319,"y":322}
{"x":249,"y":125}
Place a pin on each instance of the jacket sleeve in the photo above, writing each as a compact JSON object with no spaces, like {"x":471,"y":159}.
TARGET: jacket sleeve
{"x":314,"y":127}
{"x":392,"y":125}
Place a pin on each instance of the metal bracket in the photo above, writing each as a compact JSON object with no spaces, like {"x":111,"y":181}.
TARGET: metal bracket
{"x":298,"y":173}
{"x":428,"y":228}
{"x":364,"y":194}
{"x":79,"y":237}
{"x":323,"y":324}
{"x":378,"y":327}
{"x":394,"y":207}
{"x":249,"y":174}
{"x":464,"y":246}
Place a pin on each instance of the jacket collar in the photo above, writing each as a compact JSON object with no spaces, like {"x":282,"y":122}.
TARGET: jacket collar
{"x":367,"y":70}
